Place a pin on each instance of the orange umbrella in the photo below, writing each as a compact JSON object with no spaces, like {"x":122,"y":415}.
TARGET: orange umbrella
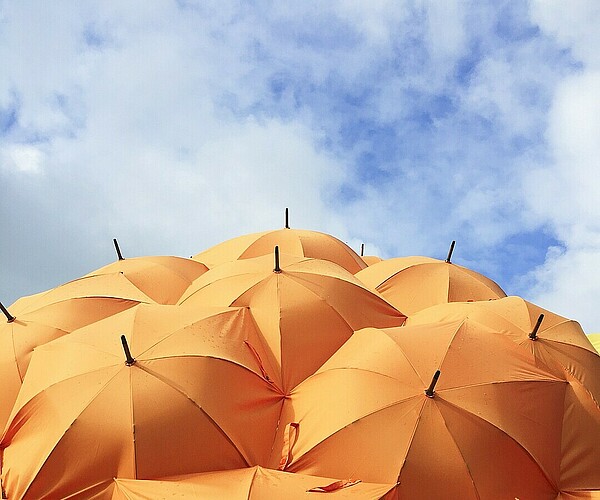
{"x":449,"y":410}
{"x":252,"y":483}
{"x":415,"y":283}
{"x":305,"y":308}
{"x":162,"y":278}
{"x":560,"y":345}
{"x":26,"y":328}
{"x":188,"y":396}
{"x":298,"y":242}
{"x":371,"y":259}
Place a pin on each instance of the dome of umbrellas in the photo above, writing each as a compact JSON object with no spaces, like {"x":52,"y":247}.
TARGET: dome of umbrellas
{"x":283,"y":364}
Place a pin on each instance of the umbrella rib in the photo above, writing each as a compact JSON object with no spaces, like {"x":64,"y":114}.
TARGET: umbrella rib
{"x":59,"y":382}
{"x":461,"y":454}
{"x":515,"y":441}
{"x":14,"y":352}
{"x":177,"y":330}
{"x":77,"y":494}
{"x":227,"y":360}
{"x":299,"y":280}
{"x":368,"y":414}
{"x":396,"y":273}
{"x":85,"y":407}
{"x":549,"y":379}
{"x":204,"y":412}
{"x":254,"y":472}
{"x":468,"y":272}
{"x":132,"y":416}
{"x":210,"y":283}
{"x":339,"y":368}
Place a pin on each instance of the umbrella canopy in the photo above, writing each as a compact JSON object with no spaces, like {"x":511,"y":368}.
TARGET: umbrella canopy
{"x":27,"y":328}
{"x":162,"y":278}
{"x":252,"y":483}
{"x":449,"y":410}
{"x":188,"y":395}
{"x":559,"y":345}
{"x":371,"y":259}
{"x":415,"y":283}
{"x":305,"y":310}
{"x":298,"y":242}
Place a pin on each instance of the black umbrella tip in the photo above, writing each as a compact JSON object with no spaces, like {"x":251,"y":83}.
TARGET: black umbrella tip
{"x":117,"y":249}
{"x":449,"y":258}
{"x":430,"y":391}
{"x":287,"y":218}
{"x":536,"y":328}
{"x":9,"y":317}
{"x":277,"y":268}
{"x":129,"y":359}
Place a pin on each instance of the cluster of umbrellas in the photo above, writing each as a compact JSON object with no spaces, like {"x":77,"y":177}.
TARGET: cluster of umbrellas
{"x":283,"y":364}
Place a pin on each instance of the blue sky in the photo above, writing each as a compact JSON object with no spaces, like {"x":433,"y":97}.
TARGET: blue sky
{"x":404,"y":125}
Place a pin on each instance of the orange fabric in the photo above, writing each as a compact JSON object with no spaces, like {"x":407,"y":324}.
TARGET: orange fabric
{"x":34,"y":327}
{"x":412,"y":284}
{"x":297,"y":242}
{"x":563,"y":349}
{"x":255,"y":483}
{"x":489,"y":397}
{"x":162,"y":278}
{"x":194,"y":400}
{"x":305,"y":313}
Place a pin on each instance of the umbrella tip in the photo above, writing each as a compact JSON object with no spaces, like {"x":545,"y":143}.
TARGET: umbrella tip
{"x":129,"y":360}
{"x":448,"y":259}
{"x":9,"y":317}
{"x":287,"y":218}
{"x":534,"y":332}
{"x":277,"y":268}
{"x":362,"y":249}
{"x":116,"y":243}
{"x":430,"y":391}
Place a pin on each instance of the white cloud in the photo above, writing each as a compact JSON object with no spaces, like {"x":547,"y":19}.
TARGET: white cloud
{"x":565,"y":190}
{"x":22,"y":158}
{"x":574,"y":24}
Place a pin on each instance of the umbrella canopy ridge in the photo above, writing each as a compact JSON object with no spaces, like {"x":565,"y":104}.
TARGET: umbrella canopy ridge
{"x":162,"y":278}
{"x":298,"y":242}
{"x":560,"y":346}
{"x":254,"y":483}
{"x":164,"y":414}
{"x":492,"y":428}
{"x":305,"y":311}
{"x":415,"y":283}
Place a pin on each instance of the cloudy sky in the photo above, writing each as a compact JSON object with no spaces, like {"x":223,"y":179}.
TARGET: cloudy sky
{"x":174,"y":125}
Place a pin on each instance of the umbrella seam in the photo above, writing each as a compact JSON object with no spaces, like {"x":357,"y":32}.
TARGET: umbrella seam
{"x":213,"y":421}
{"x":75,"y":494}
{"x":461,"y":453}
{"x":62,"y":435}
{"x":50,"y":387}
{"x":226,"y":360}
{"x":511,"y":438}
{"x":377,"y":410}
